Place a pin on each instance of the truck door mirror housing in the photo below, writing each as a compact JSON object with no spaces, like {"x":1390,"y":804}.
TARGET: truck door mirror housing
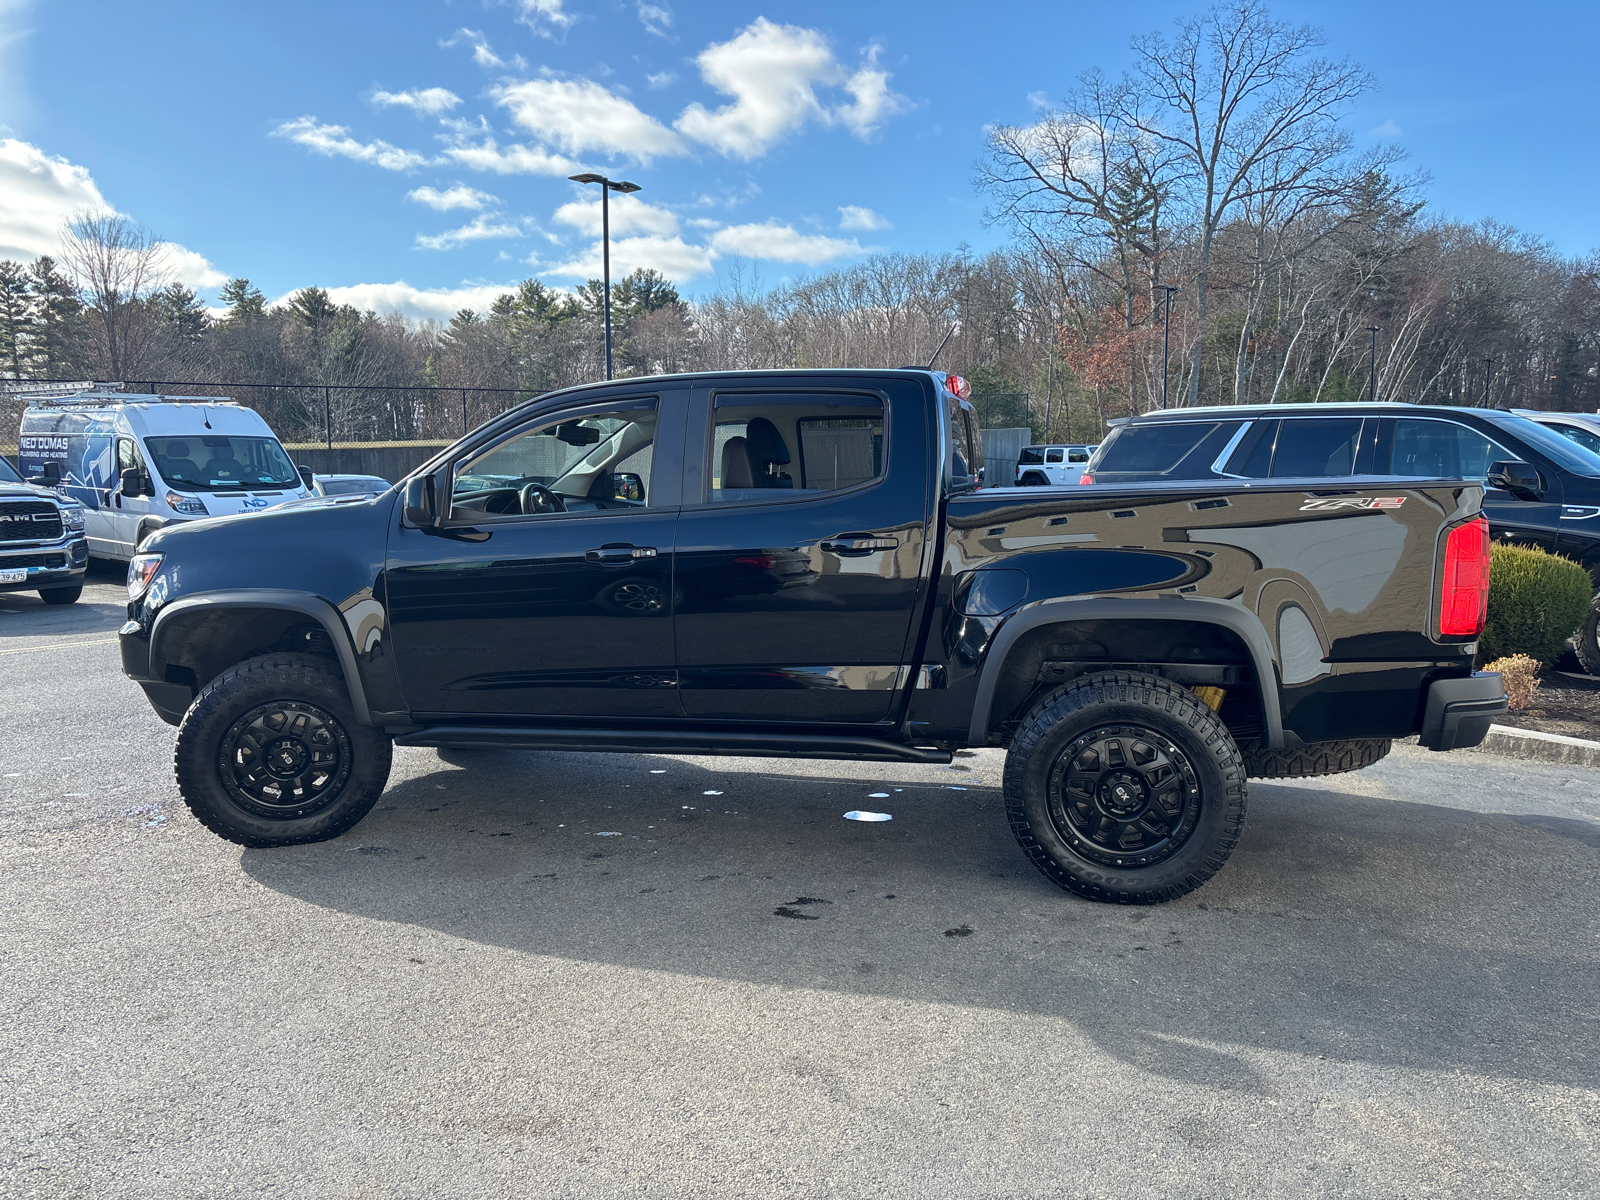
{"x":625,"y":485}
{"x":421,"y":507}
{"x":307,"y":476}
{"x":1521,"y":479}
{"x":49,"y":475}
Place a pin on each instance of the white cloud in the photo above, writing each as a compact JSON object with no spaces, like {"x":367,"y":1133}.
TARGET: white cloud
{"x":854,"y":217}
{"x":672,"y":256}
{"x":484,"y":227}
{"x":661,"y":79}
{"x":422,"y":101}
{"x":335,"y":141}
{"x":460,"y":196}
{"x":1389,"y":129}
{"x":773,"y":73}
{"x":482,"y":53}
{"x":655,"y":18}
{"x":191,"y":267}
{"x":580,"y":115}
{"x":628,"y":215}
{"x":38,"y":192}
{"x":874,"y":103}
{"x":781,"y":243}
{"x":543,"y":16}
{"x":514,"y":159}
{"x":419,"y":304}
{"x":1039,"y":99}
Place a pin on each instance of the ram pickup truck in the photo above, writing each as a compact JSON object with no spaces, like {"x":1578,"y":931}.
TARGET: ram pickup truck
{"x":802,"y":564}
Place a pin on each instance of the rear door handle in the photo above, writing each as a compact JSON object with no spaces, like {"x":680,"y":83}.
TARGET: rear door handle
{"x":619,"y":553}
{"x":855,"y":546}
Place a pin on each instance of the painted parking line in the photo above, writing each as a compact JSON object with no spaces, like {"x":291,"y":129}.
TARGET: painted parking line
{"x":60,"y":646}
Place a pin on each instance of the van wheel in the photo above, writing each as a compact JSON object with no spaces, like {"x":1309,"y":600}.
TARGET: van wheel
{"x":270,"y":754}
{"x":1586,"y":642}
{"x":1125,"y":788}
{"x":61,"y":595}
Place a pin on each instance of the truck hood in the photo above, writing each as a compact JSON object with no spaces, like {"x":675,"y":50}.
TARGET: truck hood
{"x":27,"y":491}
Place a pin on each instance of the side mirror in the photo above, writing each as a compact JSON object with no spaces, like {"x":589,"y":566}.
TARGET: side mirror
{"x":49,"y":475}
{"x":307,"y":476}
{"x":421,"y":507}
{"x":1521,"y":479}
{"x":625,"y":485}
{"x":131,"y":480}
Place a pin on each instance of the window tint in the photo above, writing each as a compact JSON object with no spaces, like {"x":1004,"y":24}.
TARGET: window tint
{"x":1258,"y":458}
{"x":1316,"y":448}
{"x":1566,"y":453}
{"x":1163,"y":450}
{"x":1075,"y":455}
{"x":1427,"y":449}
{"x":1585,"y":438}
{"x":1053,"y":454}
{"x":793,"y":446}
{"x":566,"y":463}
{"x":1030,"y":455}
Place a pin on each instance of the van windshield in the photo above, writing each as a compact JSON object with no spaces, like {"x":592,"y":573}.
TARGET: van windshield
{"x":219,"y":463}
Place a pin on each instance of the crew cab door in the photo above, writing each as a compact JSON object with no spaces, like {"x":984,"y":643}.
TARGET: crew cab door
{"x":801,"y":549}
{"x":546,"y":590}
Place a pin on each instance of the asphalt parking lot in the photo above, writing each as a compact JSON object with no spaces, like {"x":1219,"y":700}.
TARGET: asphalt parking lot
{"x":541,"y":975}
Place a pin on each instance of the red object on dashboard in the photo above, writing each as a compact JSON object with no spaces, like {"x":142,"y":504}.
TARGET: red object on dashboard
{"x":1464,"y":590}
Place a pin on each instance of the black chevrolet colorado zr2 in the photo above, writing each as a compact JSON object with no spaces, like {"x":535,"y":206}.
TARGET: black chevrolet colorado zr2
{"x":801,"y":564}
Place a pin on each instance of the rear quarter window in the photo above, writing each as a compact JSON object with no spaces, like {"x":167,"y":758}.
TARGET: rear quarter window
{"x":1163,"y":450}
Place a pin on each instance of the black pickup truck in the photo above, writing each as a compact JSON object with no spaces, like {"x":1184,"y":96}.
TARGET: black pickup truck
{"x":802,"y":564}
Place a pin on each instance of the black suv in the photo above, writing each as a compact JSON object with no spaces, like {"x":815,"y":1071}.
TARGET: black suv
{"x":1542,"y":484}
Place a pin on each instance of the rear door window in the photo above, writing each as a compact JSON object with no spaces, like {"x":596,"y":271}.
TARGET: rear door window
{"x":792,"y":446}
{"x":1316,"y":448}
{"x":1053,"y":455}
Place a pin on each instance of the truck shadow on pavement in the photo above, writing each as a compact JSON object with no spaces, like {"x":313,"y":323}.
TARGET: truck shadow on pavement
{"x":1345,"y":928}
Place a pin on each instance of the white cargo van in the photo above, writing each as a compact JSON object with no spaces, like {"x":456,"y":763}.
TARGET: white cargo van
{"x":136,"y":463}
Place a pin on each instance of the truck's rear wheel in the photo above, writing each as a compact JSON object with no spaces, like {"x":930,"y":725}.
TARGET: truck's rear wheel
{"x":1125,"y":788}
{"x":1586,"y":641}
{"x":270,"y":754}
{"x":61,"y":595}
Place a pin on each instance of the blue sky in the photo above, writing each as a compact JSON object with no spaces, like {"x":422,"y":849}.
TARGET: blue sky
{"x":413,"y":153}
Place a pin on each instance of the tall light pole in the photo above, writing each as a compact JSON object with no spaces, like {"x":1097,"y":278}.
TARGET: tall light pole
{"x":1372,"y":385}
{"x":1488,"y":364}
{"x":1166,"y":338}
{"x":607,"y":186}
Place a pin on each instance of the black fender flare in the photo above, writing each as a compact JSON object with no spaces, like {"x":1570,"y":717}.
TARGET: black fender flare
{"x":1162,"y":608}
{"x":283,"y":599}
{"x":147,"y":526}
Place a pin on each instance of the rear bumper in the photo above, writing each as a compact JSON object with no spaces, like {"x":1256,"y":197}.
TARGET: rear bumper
{"x":1459,"y":711}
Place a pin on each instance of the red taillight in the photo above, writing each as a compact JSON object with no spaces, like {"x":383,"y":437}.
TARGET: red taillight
{"x":958,"y":386}
{"x":1464,"y":592}
{"x":1084,"y":480}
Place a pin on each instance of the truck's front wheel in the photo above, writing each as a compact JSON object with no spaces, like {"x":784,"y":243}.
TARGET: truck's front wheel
{"x":1125,"y":788}
{"x":270,"y":754}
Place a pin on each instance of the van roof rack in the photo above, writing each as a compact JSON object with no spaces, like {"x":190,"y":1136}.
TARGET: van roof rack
{"x":97,"y":398}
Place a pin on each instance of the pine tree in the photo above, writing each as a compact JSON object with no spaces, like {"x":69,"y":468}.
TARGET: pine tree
{"x":61,"y":336}
{"x":244,"y":301}
{"x":16,"y":320}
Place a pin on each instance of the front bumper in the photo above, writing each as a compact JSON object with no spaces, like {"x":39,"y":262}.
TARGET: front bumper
{"x":51,"y":565}
{"x":1459,"y":711}
{"x":170,"y":700}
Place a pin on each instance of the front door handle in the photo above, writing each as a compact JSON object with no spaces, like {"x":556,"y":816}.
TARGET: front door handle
{"x":618,"y":552}
{"x":854,"y":546}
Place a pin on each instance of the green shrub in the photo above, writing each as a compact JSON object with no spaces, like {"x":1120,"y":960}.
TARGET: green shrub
{"x":1536,"y":600}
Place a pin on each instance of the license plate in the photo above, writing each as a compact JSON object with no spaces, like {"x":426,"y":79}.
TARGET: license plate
{"x":13,"y":577}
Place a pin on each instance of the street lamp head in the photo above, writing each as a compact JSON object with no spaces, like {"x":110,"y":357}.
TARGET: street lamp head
{"x":622,"y":185}
{"x":588,"y":177}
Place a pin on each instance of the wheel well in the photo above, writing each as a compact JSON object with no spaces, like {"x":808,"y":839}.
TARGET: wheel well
{"x":204,"y":643}
{"x":1193,"y":653}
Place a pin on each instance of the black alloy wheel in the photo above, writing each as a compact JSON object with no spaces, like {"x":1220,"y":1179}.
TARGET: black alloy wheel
{"x":1125,"y":788}
{"x":1586,"y":641}
{"x":1124,"y":796}
{"x":271,"y":754}
{"x":285,"y":759}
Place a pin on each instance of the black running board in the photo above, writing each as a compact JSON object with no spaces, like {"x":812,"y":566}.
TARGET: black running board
{"x":669,"y":741}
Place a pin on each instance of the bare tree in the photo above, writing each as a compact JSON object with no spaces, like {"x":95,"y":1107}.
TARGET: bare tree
{"x":1251,"y":119}
{"x":119,"y":265}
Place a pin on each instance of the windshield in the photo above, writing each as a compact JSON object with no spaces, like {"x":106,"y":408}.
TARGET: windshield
{"x":1564,"y":452}
{"x":222,"y":464}
{"x":349,"y":487}
{"x":7,"y":475}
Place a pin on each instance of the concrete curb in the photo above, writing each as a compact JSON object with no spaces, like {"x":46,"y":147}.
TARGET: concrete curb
{"x":1540,"y":747}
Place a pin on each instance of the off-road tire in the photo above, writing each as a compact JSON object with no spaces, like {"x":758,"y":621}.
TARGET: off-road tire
{"x":1034,"y":479}
{"x":1318,"y":758}
{"x":314,"y":686}
{"x":1586,"y":641}
{"x":61,"y":595}
{"x":1203,"y":750}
